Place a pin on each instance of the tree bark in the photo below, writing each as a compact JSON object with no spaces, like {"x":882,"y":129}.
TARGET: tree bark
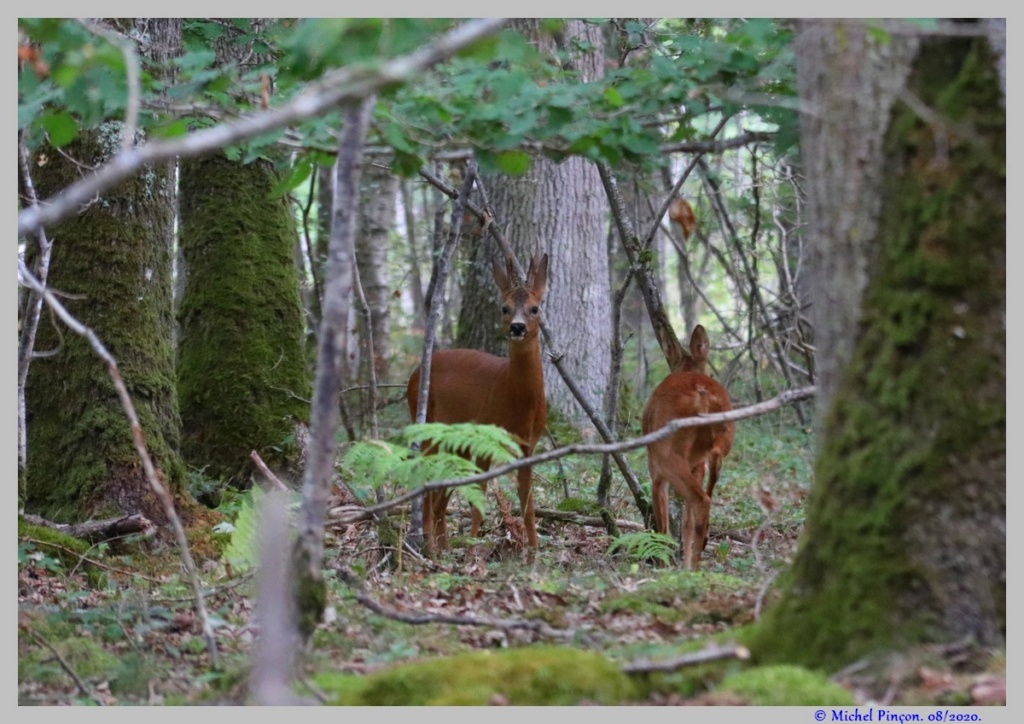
{"x":242,"y":370}
{"x":906,"y":530}
{"x":376,"y":218}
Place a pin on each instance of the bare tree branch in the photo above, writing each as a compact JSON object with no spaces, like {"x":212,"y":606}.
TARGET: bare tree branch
{"x":712,"y":653}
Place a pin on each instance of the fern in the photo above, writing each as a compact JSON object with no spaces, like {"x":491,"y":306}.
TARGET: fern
{"x":645,"y":546}
{"x":459,"y":447}
{"x":466,"y":438}
{"x":242,"y":551}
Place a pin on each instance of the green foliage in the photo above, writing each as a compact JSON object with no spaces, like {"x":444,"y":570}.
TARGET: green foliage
{"x":459,"y":445}
{"x":243,"y":549}
{"x":644,"y":546}
{"x":497,"y":97}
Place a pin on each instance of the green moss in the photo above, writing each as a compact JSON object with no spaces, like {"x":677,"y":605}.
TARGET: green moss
{"x":579,"y":505}
{"x":242,"y":370}
{"x":785,"y":685}
{"x":62,"y":547}
{"x":539,"y":675}
{"x":87,"y":658}
{"x":677,"y":596}
{"x":113,"y":261}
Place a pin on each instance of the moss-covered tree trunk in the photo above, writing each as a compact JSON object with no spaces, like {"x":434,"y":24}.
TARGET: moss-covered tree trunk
{"x":906,"y":534}
{"x":242,"y":371}
{"x":242,"y":365}
{"x":112,"y":263}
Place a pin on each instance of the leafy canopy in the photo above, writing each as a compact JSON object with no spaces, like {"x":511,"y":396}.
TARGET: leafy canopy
{"x":502,"y":98}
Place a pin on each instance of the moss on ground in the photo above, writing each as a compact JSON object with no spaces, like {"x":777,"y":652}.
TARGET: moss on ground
{"x":542,"y":675}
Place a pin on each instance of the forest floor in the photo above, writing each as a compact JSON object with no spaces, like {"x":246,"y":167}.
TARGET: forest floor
{"x":123,"y":630}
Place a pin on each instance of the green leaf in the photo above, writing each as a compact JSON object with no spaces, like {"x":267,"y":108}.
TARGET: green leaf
{"x":613,"y":97}
{"x":174,"y":129}
{"x":61,"y":127}
{"x":300,"y":172}
{"x":514,"y":163}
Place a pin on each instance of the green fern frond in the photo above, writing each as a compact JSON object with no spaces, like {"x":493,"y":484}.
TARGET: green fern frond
{"x":242,"y":550}
{"x":466,"y":438}
{"x":645,"y":546}
{"x":374,"y":460}
{"x":423,"y":469}
{"x":474,"y":496}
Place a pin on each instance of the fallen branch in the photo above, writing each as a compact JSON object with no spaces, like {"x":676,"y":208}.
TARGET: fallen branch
{"x":267,"y":473}
{"x":85,"y":690}
{"x":96,"y":531}
{"x":712,"y":653}
{"x":593,"y":521}
{"x":425,"y":618}
{"x":90,"y":561}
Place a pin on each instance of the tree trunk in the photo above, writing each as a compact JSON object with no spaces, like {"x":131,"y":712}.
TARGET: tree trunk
{"x":376,"y":218}
{"x":242,"y":370}
{"x":242,"y":367}
{"x":906,"y":527}
{"x":114,"y":261}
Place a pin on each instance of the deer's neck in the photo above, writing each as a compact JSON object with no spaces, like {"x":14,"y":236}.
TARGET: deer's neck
{"x":526,"y":373}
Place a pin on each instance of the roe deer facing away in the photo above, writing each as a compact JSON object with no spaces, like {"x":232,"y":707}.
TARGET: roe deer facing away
{"x":467,"y":385}
{"x":681,"y":459}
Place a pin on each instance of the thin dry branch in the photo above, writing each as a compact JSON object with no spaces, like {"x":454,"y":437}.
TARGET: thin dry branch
{"x":424,"y":618}
{"x":267,"y":473}
{"x":85,"y":690}
{"x":712,"y":653}
{"x":592,"y":521}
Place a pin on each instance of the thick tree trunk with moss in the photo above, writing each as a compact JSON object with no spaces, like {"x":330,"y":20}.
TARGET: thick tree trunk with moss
{"x":906,"y":533}
{"x":113,"y":263}
{"x":242,"y":372}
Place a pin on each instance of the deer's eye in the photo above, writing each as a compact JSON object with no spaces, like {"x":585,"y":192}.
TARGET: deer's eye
{"x":505,"y":309}
{"x":535,"y":310}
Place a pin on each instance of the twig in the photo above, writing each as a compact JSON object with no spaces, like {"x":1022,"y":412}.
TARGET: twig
{"x":26,"y":277}
{"x":712,"y":653}
{"x":592,"y":521}
{"x":85,"y":690}
{"x":763,"y":592}
{"x":267,"y":472}
{"x":91,"y":561}
{"x":539,"y":627}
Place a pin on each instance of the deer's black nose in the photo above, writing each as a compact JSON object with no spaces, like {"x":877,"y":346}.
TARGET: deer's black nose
{"x":517,"y":329}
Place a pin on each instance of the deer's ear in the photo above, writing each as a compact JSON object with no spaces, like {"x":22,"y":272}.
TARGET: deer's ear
{"x":537,"y":278}
{"x":501,"y":277}
{"x":700,"y":345}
